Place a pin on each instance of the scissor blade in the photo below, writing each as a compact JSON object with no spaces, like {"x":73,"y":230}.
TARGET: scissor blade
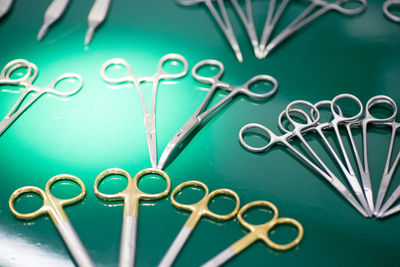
{"x":74,"y":244}
{"x":177,"y":140}
{"x":221,"y":258}
{"x":128,"y":242}
{"x":176,"y":247}
{"x":149,"y":123}
{"x":5,"y":7}
{"x":53,"y":13}
{"x":96,"y":16}
{"x":4,"y":124}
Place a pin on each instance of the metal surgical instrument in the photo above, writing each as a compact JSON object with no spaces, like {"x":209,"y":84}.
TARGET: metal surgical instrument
{"x":310,"y":14}
{"x":270,"y":23}
{"x":198,"y":210}
{"x":54,"y":207}
{"x":363,"y":166}
{"x":131,"y":196}
{"x":149,"y":117}
{"x":5,"y":6}
{"x":319,"y":128}
{"x":284,"y":140}
{"x":52,"y":14}
{"x":248,"y":22}
{"x":223,"y":22}
{"x":386,"y":11}
{"x":202,"y":113}
{"x":26,"y":82}
{"x":96,"y":16}
{"x":257,"y":232}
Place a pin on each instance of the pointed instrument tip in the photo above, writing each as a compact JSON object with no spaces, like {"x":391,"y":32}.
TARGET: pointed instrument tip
{"x":42,"y":32}
{"x":239,"y":56}
{"x":266,"y":53}
{"x":258,"y":53}
{"x":89,"y":35}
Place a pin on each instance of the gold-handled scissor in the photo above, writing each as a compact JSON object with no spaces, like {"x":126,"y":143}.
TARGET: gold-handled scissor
{"x":131,"y":196}
{"x":260,"y":231}
{"x":54,"y":207}
{"x":198,"y":210}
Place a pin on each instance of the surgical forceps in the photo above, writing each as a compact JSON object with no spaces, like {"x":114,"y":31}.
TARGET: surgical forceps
{"x":223,"y":22}
{"x":319,"y":127}
{"x":149,"y":117}
{"x":308,"y":16}
{"x":202,"y":113}
{"x":26,"y":81}
{"x":297,"y":131}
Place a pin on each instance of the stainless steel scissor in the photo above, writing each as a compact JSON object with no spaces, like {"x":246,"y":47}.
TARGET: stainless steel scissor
{"x":131,"y":196}
{"x":223,"y":22}
{"x":257,"y":232}
{"x":298,"y":131}
{"x":7,"y":77}
{"x":197,"y":210}
{"x":54,"y":207}
{"x":386,"y":9}
{"x":310,"y":14}
{"x":202,"y":113}
{"x":161,"y":74}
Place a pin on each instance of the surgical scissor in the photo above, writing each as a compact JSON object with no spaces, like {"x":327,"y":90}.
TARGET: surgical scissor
{"x":223,"y":22}
{"x":257,"y":232}
{"x":131,"y":196}
{"x":387,"y":5}
{"x":161,"y":74}
{"x":6,"y":77}
{"x":284,"y":139}
{"x":54,"y":207}
{"x":310,"y":14}
{"x":202,"y":113}
{"x":5,"y":6}
{"x":197,"y":210}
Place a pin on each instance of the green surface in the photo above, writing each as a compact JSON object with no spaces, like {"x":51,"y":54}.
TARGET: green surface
{"x":101,"y":128}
